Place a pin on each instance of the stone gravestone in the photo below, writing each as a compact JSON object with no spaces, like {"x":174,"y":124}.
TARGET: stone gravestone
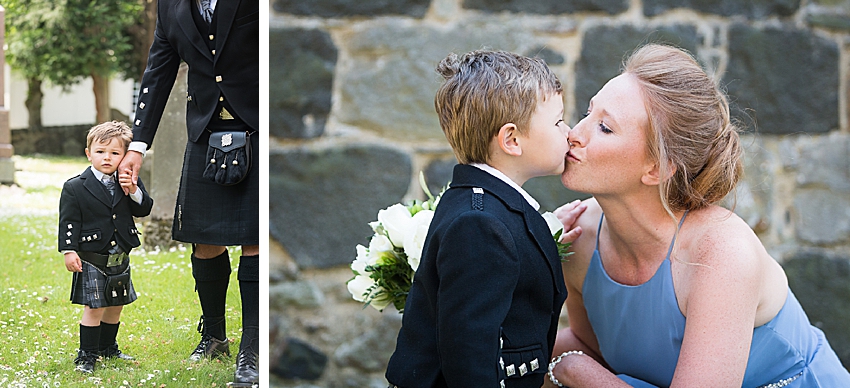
{"x":164,"y":163}
{"x":7,"y":166}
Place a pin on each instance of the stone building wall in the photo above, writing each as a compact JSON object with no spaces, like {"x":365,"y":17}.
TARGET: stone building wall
{"x":352,"y":124}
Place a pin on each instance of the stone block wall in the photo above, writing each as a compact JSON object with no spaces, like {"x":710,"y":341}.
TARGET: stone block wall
{"x":352,"y":124}
{"x":68,"y":140}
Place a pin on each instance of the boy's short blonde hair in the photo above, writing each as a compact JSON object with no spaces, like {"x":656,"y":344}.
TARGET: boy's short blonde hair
{"x":104,"y":132}
{"x":485,"y":90}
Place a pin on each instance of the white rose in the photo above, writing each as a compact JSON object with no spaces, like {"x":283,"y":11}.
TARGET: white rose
{"x":380,"y":303}
{"x":415,"y":240}
{"x":377,"y":246}
{"x":397,"y":221}
{"x":358,"y":287}
{"x":359,"y":264}
{"x":376,"y":227}
{"x":553,"y":222}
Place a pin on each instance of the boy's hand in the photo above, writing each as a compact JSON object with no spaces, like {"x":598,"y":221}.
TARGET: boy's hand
{"x":72,"y":262}
{"x":131,"y":164}
{"x":568,"y":215}
{"x":127,"y":183}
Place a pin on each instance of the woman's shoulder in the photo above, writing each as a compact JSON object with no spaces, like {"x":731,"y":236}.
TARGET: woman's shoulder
{"x":716,"y":235}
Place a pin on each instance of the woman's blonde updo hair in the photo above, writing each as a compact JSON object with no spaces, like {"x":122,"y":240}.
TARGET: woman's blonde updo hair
{"x":690,"y":131}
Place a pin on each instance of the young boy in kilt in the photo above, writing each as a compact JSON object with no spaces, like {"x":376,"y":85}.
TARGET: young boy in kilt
{"x":96,"y":234}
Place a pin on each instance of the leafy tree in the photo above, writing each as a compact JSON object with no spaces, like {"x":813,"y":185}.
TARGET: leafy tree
{"x":66,"y":41}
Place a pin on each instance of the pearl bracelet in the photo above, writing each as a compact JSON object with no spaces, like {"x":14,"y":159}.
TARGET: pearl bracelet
{"x":555,"y":361}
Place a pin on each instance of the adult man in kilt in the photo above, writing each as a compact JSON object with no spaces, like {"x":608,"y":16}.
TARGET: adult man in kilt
{"x":219,"y":41}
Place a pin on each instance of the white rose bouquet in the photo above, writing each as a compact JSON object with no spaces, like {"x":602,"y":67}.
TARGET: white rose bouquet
{"x":383,"y":272}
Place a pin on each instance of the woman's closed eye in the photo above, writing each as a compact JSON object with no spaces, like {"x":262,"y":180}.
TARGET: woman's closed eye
{"x":602,"y":127}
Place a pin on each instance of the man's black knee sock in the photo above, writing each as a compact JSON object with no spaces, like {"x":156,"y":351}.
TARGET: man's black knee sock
{"x":249,"y":289}
{"x":212,"y":277}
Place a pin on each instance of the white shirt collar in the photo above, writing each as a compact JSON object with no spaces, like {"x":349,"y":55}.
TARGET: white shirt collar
{"x":498,"y":174}
{"x":99,"y":175}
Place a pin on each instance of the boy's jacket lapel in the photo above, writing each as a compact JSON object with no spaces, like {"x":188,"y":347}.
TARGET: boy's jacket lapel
{"x":470,"y":176}
{"x":97,"y":189}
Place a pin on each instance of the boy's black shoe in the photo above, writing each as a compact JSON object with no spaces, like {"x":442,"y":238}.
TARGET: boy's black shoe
{"x":85,"y":361}
{"x":210,"y":347}
{"x":246,"y":370}
{"x":113,"y":352}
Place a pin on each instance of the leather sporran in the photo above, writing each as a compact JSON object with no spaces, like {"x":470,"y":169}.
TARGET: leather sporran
{"x":228,"y":157}
{"x":117,"y":288}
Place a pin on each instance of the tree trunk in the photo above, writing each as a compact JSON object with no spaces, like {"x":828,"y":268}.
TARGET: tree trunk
{"x":33,"y":103}
{"x":150,"y":26}
{"x":142,"y":37}
{"x":101,"y":98}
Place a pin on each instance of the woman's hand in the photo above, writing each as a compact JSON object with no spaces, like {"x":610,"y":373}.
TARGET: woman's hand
{"x":568,"y":214}
{"x":72,"y":262}
{"x":580,"y":370}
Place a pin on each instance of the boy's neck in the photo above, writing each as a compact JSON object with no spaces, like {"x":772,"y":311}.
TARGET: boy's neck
{"x":509,"y":170}
{"x":496,"y":172}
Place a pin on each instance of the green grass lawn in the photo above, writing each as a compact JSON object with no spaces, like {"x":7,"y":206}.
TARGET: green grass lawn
{"x":39,"y":327}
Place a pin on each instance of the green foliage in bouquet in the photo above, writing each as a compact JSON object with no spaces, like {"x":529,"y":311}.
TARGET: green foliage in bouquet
{"x":392,"y":280}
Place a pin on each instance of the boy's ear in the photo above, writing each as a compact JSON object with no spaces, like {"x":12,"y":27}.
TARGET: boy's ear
{"x":88,"y":155}
{"x":508,"y":139}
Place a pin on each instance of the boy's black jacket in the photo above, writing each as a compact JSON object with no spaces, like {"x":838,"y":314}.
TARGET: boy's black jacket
{"x":488,"y":291}
{"x":90,"y":218}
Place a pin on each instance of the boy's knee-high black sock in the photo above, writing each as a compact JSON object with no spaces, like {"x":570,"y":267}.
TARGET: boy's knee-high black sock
{"x":212,"y":277}
{"x":249,"y":289}
{"x":108,"y":332}
{"x":89,"y":338}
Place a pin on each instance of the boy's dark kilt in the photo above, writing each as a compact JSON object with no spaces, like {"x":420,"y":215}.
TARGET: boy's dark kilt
{"x":209,"y":213}
{"x":88,"y":287}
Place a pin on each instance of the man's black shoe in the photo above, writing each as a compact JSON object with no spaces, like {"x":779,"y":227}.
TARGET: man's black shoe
{"x":85,"y":361}
{"x":246,"y":370}
{"x":210,"y":347}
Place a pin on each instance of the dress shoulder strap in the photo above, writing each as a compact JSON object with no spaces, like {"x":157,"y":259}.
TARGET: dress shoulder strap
{"x":599,"y":230}
{"x":673,"y":243}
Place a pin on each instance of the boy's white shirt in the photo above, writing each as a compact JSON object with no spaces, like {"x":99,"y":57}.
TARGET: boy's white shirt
{"x":136,"y":197}
{"x":498,"y":174}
